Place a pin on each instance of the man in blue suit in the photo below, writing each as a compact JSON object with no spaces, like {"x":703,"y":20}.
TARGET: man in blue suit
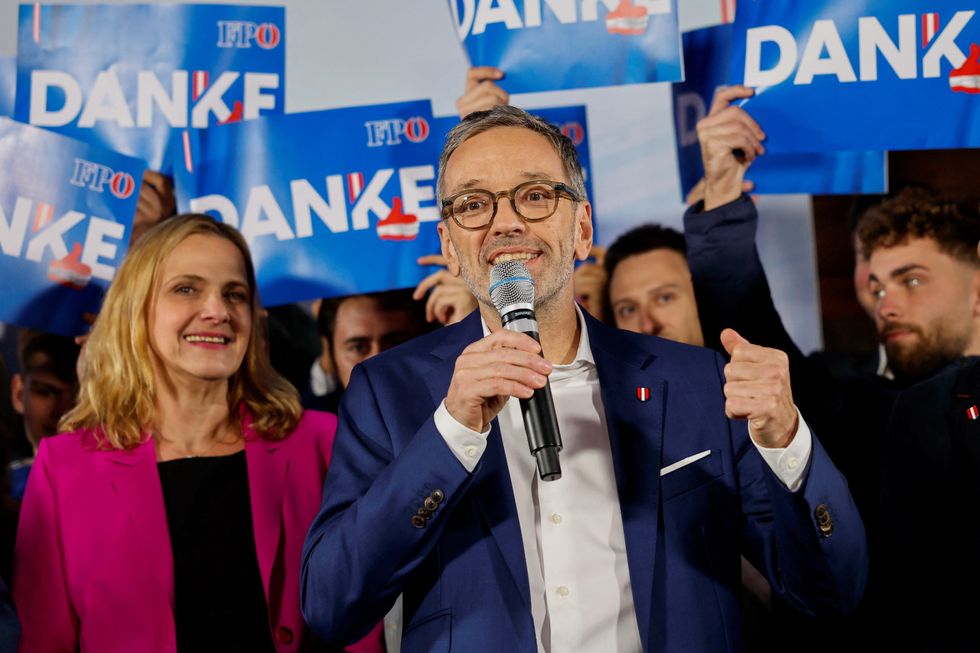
{"x":432,"y":493}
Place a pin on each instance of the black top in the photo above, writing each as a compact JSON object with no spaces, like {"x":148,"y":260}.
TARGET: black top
{"x":220,"y":602}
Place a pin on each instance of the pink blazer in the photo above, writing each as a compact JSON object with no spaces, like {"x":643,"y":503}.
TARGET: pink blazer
{"x":93,"y":563}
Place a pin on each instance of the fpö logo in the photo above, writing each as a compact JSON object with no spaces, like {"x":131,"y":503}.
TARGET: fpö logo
{"x":574,"y":131}
{"x":242,"y":33}
{"x":391,"y":131}
{"x":97,"y":177}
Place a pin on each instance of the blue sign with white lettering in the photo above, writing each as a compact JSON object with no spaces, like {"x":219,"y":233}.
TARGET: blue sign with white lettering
{"x":561,"y":44}
{"x":123,"y":76}
{"x":66,"y":210}
{"x":8,"y":85}
{"x":331,"y":202}
{"x":707,"y":56}
{"x":876,"y":74}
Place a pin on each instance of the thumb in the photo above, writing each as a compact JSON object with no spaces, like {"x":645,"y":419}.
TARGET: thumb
{"x":730,"y":338}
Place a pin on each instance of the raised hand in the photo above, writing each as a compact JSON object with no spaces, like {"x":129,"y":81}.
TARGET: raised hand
{"x":757,"y":388}
{"x":730,"y":141}
{"x":481,"y":92}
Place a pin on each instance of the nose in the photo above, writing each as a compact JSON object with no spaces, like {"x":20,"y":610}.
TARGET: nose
{"x":888,"y":306}
{"x":214,"y":308}
{"x":650,"y":324}
{"x":506,"y":222}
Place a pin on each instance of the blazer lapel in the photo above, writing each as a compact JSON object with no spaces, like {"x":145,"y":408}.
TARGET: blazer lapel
{"x":267,"y":474}
{"x":636,"y":439}
{"x":492,"y":490}
{"x":135,"y":479}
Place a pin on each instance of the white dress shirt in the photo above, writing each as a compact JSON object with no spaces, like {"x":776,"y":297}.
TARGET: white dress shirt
{"x":572,"y":529}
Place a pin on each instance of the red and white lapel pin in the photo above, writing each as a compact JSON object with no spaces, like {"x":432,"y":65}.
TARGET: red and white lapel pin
{"x":643,"y":393}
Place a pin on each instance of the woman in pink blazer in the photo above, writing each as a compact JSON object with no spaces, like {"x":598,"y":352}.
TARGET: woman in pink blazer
{"x":172,"y":517}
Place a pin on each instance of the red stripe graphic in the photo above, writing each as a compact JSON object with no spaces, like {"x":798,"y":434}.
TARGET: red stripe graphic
{"x":930,"y":26}
{"x":728,"y":11}
{"x":43,"y":216}
{"x":37,"y":22}
{"x":188,"y":163}
{"x":355,"y":184}
{"x":199,"y":84}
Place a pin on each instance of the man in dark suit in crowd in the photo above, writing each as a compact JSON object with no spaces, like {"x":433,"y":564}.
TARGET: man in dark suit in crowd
{"x":926,"y":278}
{"x":931,"y":499}
{"x":432,"y":493}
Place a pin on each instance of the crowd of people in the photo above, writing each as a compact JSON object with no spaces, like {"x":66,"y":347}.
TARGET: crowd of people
{"x":232,"y":478}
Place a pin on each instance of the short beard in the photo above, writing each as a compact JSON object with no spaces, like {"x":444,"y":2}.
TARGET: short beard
{"x":542,"y":300}
{"x":931,"y":354}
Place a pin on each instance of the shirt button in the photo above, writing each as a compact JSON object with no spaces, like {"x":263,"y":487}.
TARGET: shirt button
{"x":470,"y":452}
{"x":556,"y":518}
{"x":562,"y":591}
{"x":793,"y":462}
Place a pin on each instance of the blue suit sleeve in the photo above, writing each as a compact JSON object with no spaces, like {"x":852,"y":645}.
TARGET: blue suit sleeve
{"x":363,"y":544}
{"x":819,"y":570}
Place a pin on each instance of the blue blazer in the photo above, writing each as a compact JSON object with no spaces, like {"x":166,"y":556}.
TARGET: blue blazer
{"x":463,"y":573}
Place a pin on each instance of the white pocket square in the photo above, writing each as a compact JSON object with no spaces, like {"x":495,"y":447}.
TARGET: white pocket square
{"x":673,"y":467}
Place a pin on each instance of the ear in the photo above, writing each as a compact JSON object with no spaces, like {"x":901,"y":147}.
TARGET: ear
{"x":17,"y":393}
{"x":448,"y":249}
{"x":583,"y":230}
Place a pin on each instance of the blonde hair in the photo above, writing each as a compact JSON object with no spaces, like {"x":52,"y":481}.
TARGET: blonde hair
{"x":117,"y":388}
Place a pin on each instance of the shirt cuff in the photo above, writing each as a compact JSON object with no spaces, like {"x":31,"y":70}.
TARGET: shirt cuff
{"x":466,"y":444}
{"x":790,"y":463}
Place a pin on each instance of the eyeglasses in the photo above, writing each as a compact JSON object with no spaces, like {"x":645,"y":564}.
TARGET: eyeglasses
{"x":532,"y":201}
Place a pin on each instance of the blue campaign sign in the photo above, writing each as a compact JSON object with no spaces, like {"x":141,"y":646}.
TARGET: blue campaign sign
{"x":123,"y":76}
{"x":546,"y":45}
{"x":66,"y":209}
{"x":707,"y":56}
{"x":8,"y":84}
{"x":331,"y":202}
{"x":875,"y":74}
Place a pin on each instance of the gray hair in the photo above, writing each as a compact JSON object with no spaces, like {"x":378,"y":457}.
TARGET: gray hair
{"x":508,"y":116}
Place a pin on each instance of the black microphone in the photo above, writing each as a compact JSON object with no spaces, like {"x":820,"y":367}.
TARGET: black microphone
{"x":512,"y":293}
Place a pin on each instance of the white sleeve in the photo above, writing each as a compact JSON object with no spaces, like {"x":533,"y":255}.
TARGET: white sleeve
{"x":466,"y":444}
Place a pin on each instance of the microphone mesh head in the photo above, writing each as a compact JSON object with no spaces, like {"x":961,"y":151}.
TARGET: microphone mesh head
{"x":510,"y":283}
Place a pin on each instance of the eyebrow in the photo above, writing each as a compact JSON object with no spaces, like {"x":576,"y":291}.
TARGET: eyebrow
{"x":528,"y":175}
{"x":898,"y":272}
{"x":671,"y":285}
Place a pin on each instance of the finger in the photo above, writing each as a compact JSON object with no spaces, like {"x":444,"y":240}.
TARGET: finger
{"x":509,"y":364}
{"x":730,"y":135}
{"x":486,"y":96}
{"x":759,"y":388}
{"x":505,"y":339}
{"x":726,"y":94}
{"x":737,"y":371}
{"x":426,"y":284}
{"x":432,"y":259}
{"x":482,"y":359}
{"x":477,"y":74}
{"x":507,"y":371}
{"x":598,"y":252}
{"x":752,"y":407}
{"x":730,"y":338}
{"x":732,"y":116}
{"x":441,"y":305}
{"x":748,"y":186}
